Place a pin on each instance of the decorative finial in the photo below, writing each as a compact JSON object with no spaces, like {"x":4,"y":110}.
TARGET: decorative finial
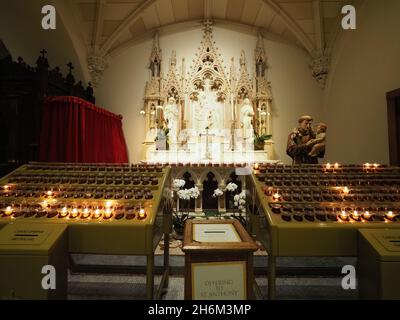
{"x":71,"y":67}
{"x":208,"y":23}
{"x":43,"y":53}
{"x":242,"y":58}
{"x":173,"y":59}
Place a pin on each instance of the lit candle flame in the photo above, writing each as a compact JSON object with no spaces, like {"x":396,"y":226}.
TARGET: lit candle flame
{"x":328,"y":166}
{"x":336,"y":166}
{"x":97,"y":213}
{"x":6,"y":187}
{"x":64,"y":212}
{"x":346,"y":190}
{"x":343,"y":215}
{"x":9,"y":210}
{"x":256,"y":166}
{"x":390,"y":215}
{"x":142,"y":214}
{"x":367,"y":215}
{"x":74,"y":213}
{"x":109,"y":204}
{"x":367,"y":165}
{"x":108,"y":213}
{"x":86,"y":213}
{"x":276,"y":196}
{"x":50,"y":193}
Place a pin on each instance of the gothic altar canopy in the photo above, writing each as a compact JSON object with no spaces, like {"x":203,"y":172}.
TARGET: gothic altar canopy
{"x":206,"y":115}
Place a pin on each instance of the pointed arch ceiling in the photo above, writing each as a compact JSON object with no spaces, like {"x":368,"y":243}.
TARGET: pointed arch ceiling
{"x":109,"y":26}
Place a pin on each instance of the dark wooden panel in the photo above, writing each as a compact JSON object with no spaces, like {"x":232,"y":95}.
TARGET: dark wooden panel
{"x":393,"y":101}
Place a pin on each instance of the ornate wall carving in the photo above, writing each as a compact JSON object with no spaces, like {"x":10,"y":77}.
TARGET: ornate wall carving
{"x":208,"y":83}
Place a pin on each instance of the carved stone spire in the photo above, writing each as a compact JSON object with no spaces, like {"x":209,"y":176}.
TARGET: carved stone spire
{"x":172,"y":61}
{"x":173,"y":82}
{"x":244,"y":84}
{"x":320,"y":68}
{"x":96,"y":65}
{"x":243,"y":61}
{"x":260,"y":50}
{"x":208,"y":59}
{"x":232,"y":75}
{"x":208,"y":23}
{"x":156,"y":57}
{"x":183,"y":71}
{"x":260,"y":57}
{"x":156,"y":52}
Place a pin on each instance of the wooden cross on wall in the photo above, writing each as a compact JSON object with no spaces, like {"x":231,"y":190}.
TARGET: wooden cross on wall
{"x":71,"y":67}
{"x":43,"y":53}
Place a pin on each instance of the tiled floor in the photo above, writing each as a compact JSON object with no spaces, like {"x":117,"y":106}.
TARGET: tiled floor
{"x":123,"y":287}
{"x":132,"y":286}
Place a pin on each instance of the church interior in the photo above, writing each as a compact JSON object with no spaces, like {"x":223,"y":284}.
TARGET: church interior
{"x":199,"y":149}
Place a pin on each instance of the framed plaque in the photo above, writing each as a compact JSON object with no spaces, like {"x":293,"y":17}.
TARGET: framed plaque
{"x":219,"y":281}
{"x":218,"y":260}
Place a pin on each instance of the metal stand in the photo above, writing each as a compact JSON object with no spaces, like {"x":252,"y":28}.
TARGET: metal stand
{"x":271,"y":277}
{"x":163,"y":286}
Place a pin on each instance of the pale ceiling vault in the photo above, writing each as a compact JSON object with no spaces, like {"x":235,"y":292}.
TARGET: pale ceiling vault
{"x":106,"y":27}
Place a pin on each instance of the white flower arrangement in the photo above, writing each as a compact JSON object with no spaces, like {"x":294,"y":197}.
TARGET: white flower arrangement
{"x":194,"y":193}
{"x":178,"y":184}
{"x":240,"y":201}
{"x":188,"y":194}
{"x":218,"y":193}
{"x":183,"y":194}
{"x":231,"y":187}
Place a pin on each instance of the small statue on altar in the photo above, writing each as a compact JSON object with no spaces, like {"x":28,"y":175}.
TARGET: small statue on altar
{"x":155,"y":68}
{"x":171,"y":116}
{"x":247,"y":114}
{"x":184,"y":137}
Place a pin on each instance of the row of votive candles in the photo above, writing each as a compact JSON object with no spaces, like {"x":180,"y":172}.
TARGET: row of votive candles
{"x":117,"y":180}
{"x":69,"y":212}
{"x":334,"y":214}
{"x":101,"y":168}
{"x":127,"y":194}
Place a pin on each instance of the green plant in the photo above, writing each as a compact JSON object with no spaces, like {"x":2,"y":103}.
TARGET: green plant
{"x":178,"y":221}
{"x":259,"y":141}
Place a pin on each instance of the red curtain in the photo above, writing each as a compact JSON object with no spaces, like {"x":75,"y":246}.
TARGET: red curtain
{"x":76,"y":131}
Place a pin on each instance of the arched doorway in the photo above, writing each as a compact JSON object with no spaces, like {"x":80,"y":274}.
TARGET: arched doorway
{"x":209,"y":186}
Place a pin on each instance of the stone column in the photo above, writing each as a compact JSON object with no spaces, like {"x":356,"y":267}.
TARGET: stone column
{"x":222,"y":199}
{"x":199,"y":200}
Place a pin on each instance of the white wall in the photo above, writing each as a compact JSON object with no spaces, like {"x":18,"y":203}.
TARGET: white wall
{"x":295,"y":91}
{"x":366,"y":65}
{"x":22,"y":33}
